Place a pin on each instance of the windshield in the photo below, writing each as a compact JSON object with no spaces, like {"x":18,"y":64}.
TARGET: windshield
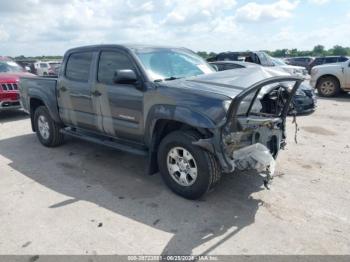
{"x":168,"y":64}
{"x":278,"y":62}
{"x":10,"y":67}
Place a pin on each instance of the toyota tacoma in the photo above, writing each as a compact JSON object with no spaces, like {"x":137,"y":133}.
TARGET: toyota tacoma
{"x":192,"y":122}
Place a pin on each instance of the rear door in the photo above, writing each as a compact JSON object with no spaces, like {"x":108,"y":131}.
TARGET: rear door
{"x":75,"y":102}
{"x":121,"y":104}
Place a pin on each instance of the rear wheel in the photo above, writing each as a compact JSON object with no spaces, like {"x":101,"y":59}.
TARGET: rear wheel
{"x":328,"y":87}
{"x":187,"y":170}
{"x":47,"y":130}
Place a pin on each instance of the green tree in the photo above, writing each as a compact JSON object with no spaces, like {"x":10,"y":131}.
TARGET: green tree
{"x":318,"y":50}
{"x":339,"y":50}
{"x":203,"y":54}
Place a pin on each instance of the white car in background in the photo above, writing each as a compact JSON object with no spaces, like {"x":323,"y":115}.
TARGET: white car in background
{"x":293,"y":70}
{"x":46,"y":68}
{"x":331,"y":79}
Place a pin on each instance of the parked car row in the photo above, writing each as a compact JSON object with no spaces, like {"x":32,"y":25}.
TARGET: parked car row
{"x":310,"y":62}
{"x":49,"y":68}
{"x":260,"y":58}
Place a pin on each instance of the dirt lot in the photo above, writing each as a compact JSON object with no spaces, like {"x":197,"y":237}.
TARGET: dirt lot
{"x":82,"y":198}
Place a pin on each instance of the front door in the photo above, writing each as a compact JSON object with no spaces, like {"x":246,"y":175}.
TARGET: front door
{"x":76,"y":105}
{"x":121,"y":104}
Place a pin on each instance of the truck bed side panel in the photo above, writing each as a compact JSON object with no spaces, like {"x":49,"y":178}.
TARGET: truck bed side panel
{"x":43,"y":89}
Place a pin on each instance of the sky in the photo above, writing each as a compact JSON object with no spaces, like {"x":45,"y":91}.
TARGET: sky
{"x":50,"y":27}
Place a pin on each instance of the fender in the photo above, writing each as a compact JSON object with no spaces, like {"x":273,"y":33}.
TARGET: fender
{"x":175,"y":113}
{"x":51,"y":104}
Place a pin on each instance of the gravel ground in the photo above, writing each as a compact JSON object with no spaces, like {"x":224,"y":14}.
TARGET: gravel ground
{"x":82,"y":198}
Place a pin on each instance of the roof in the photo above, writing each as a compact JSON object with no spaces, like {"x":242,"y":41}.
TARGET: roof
{"x":122,"y":46}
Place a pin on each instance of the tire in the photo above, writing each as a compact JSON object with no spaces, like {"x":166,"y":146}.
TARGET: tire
{"x":208,"y":172}
{"x":328,"y":87}
{"x":47,"y":130}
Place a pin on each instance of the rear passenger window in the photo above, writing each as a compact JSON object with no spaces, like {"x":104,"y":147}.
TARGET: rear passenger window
{"x":343,"y":59}
{"x":111,"y":61}
{"x":330,"y":60}
{"x":78,"y":66}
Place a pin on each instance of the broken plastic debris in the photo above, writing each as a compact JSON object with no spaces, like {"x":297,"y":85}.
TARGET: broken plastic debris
{"x":256,"y":157}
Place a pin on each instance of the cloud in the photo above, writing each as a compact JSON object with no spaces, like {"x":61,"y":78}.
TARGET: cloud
{"x":319,"y":2}
{"x":199,"y":12}
{"x":254,"y":12}
{"x":45,"y":27}
{"x":53,"y":26}
{"x":4,"y":36}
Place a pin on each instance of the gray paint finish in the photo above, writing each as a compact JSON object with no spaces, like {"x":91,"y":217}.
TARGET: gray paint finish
{"x":130,"y":111}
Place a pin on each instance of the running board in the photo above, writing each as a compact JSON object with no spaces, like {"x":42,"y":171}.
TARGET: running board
{"x":106,"y":141}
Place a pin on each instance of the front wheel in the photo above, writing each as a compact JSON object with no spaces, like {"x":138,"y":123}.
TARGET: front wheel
{"x":187,"y":169}
{"x":47,"y":130}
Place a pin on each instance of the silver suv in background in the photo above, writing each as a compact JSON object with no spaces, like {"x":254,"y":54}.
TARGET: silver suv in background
{"x":331,"y":79}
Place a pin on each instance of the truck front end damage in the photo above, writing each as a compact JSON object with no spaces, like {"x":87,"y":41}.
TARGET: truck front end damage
{"x":254,"y":131}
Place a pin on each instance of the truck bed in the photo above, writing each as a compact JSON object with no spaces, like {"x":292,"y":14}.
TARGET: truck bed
{"x":43,"y":88}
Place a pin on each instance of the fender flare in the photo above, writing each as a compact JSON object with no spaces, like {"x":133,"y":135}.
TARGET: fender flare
{"x":50,"y":105}
{"x":175,"y":113}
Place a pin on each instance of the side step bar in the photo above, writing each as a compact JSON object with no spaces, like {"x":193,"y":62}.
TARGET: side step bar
{"x":106,"y":141}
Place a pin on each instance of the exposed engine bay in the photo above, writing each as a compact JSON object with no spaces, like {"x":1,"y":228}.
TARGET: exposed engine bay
{"x":258,"y":132}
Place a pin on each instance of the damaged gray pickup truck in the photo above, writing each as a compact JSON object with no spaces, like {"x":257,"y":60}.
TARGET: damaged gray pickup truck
{"x":192,"y":122}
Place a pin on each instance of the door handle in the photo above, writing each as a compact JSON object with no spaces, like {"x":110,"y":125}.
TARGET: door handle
{"x":63,"y":89}
{"x":96,"y":93}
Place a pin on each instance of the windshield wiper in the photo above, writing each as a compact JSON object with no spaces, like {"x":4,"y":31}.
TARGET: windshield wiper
{"x":167,"y":79}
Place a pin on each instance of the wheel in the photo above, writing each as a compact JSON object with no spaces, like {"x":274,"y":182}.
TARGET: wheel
{"x":328,"y":87}
{"x":186,"y":169}
{"x":47,"y":130}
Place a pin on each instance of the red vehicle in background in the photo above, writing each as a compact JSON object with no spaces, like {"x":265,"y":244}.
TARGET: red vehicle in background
{"x":10,"y":72}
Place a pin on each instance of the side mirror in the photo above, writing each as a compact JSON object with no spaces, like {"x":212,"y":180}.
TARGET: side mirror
{"x":125,"y":76}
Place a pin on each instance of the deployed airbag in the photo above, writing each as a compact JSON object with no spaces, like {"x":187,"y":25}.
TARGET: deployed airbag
{"x":257,"y":157}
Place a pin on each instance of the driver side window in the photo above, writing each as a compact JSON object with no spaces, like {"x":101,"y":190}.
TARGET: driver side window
{"x":109,"y":63}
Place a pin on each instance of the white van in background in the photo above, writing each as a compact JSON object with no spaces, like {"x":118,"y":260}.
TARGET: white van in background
{"x":47,"y":68}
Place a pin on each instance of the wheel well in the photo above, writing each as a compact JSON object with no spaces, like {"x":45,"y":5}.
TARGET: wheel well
{"x":328,"y":76}
{"x":34,"y":104}
{"x":163,"y":128}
